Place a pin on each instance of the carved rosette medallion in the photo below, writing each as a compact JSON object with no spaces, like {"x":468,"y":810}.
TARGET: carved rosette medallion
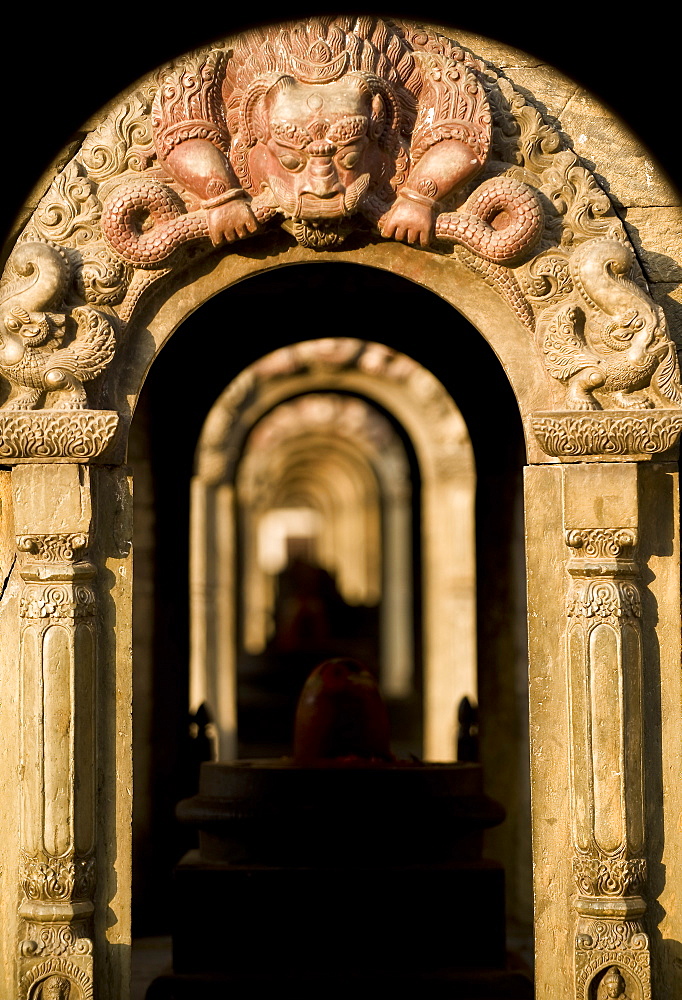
{"x":57,"y":873}
{"x":604,"y":657}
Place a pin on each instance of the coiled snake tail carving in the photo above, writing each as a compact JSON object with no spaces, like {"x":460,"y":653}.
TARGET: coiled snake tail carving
{"x":499,"y":221}
{"x":145,"y":222}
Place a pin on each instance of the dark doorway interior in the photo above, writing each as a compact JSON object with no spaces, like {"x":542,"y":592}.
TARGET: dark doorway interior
{"x":340,"y":300}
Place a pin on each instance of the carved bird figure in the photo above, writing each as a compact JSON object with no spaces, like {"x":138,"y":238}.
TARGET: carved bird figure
{"x":609,"y":336}
{"x":31,"y":332}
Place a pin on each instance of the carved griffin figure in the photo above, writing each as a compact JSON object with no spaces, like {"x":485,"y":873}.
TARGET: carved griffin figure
{"x":318,"y":123}
{"x":32,"y":357}
{"x":609,"y":337}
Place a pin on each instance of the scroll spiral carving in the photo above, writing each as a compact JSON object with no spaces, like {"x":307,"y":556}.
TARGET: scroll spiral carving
{"x":54,"y":548}
{"x":54,"y":939}
{"x":614,"y":543}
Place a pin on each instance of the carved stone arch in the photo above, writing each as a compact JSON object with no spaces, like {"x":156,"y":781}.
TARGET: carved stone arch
{"x":585,"y":347}
{"x":434,"y":425}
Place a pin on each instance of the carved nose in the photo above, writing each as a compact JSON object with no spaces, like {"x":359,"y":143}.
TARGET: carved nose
{"x":321,"y":179}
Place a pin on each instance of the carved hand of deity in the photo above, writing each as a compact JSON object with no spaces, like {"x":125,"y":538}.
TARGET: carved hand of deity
{"x":409,"y":220}
{"x":231,"y":221}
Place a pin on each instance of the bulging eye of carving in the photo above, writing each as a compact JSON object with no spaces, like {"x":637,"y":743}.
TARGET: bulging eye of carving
{"x":290,"y":161}
{"x":350,"y":159}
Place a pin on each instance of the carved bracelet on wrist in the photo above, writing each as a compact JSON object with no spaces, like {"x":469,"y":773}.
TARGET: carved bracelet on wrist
{"x":221,"y":199}
{"x":421,"y":199}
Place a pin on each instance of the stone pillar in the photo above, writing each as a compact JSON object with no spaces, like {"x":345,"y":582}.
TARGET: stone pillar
{"x":599,"y":619}
{"x":53,"y":520}
{"x":72,"y":527}
{"x":604,"y":658}
{"x":213,"y":646}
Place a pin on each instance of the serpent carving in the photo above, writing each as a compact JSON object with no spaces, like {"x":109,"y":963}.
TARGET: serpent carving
{"x":609,"y":337}
{"x":144,"y":222}
{"x":321,"y":123}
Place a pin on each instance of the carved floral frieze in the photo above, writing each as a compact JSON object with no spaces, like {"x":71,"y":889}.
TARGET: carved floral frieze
{"x":607,"y":434}
{"x":57,"y":601}
{"x":54,"y":435}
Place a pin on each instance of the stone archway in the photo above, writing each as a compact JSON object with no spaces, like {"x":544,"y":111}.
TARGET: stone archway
{"x":439,"y":435}
{"x":90,"y":298}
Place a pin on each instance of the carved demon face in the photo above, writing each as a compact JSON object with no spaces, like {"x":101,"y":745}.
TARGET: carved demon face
{"x":320,"y":149}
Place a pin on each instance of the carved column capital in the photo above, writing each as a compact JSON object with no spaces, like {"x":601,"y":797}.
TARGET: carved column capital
{"x":66,"y":879}
{"x":67,"y":547}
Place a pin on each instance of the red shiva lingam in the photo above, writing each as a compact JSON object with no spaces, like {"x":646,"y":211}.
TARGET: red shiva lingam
{"x":294,"y":854}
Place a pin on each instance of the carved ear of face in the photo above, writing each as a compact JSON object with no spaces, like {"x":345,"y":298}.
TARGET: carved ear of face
{"x":253,"y":112}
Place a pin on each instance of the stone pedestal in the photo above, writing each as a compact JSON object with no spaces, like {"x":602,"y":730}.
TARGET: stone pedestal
{"x":338,"y":879}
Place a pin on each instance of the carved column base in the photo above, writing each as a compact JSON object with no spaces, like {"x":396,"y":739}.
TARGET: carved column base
{"x":611,"y":946}
{"x":55,"y":953}
{"x":55,"y":947}
{"x":608,"y":947}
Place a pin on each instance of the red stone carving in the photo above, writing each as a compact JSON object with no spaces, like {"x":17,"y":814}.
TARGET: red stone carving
{"x":321,"y":123}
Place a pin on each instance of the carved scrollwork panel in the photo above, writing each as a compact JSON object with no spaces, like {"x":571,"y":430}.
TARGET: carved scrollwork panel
{"x":55,"y":939}
{"x":54,"y":548}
